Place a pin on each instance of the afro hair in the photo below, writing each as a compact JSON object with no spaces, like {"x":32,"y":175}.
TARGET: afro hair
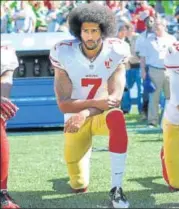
{"x":92,"y":12}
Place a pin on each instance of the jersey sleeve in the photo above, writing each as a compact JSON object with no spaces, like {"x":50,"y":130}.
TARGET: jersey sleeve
{"x":122,"y":49}
{"x":9,"y":60}
{"x":55,"y":58}
{"x":171,"y":58}
{"x":174,"y":81}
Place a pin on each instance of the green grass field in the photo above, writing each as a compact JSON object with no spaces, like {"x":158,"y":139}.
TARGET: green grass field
{"x":38,"y":176}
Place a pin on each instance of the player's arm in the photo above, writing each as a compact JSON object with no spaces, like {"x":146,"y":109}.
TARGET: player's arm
{"x":116,"y":84}
{"x":63,"y":92}
{"x":6,"y":83}
{"x":174,"y":89}
{"x":9,"y":63}
{"x":91,"y":112}
{"x":7,"y":108}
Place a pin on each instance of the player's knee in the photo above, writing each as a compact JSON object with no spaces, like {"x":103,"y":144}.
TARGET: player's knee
{"x":114,"y":119}
{"x":118,"y":138}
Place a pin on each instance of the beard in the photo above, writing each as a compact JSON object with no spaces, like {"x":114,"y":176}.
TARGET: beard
{"x":90,"y":44}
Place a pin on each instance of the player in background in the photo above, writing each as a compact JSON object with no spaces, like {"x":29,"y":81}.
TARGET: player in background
{"x":89,"y":84}
{"x":170,"y":150}
{"x":8,"y":110}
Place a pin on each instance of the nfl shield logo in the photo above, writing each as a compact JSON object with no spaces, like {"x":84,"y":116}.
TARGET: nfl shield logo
{"x":91,"y":66}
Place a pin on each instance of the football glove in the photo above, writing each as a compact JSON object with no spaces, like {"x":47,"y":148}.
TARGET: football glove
{"x":7,"y":109}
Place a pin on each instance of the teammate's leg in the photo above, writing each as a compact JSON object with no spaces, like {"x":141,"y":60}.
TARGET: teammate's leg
{"x":6,"y":200}
{"x":171,"y":154}
{"x":4,"y":156}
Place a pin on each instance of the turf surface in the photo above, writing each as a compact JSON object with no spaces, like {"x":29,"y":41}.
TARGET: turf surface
{"x":38,"y":176}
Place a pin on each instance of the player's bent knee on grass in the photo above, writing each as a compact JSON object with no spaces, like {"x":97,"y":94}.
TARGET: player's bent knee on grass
{"x":171,"y":154}
{"x":77,"y":156}
{"x":78,"y":145}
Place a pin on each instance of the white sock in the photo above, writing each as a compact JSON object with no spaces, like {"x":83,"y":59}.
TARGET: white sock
{"x":117,"y":168}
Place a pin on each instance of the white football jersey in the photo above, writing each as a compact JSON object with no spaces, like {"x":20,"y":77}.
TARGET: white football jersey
{"x":89,"y":79}
{"x":9,"y":59}
{"x":171,"y":60}
{"x":172,"y":66}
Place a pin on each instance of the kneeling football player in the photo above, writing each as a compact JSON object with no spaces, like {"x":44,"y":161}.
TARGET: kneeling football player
{"x":170,"y":150}
{"x":89,"y":84}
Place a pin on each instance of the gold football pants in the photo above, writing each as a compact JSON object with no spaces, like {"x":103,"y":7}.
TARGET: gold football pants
{"x":171,"y":152}
{"x":78,"y":149}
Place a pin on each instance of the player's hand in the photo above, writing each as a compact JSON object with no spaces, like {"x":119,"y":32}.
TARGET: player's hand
{"x":74,"y":123}
{"x":106,"y":104}
{"x":7,"y":108}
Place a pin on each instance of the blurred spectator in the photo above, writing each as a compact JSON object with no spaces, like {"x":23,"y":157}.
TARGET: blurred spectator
{"x":40,"y":11}
{"x":155,"y":49}
{"x":122,"y":32}
{"x":66,"y":7}
{"x":177,"y":19}
{"x":122,"y":35}
{"x":149,"y":21}
{"x":54,"y":18}
{"x":80,"y":2}
{"x":4,"y":18}
{"x":131,"y":6}
{"x":24,"y":18}
{"x":57,"y":14}
{"x":159,"y":7}
{"x":133,"y":74}
{"x":169,"y":8}
{"x":47,"y":3}
{"x":111,"y":4}
{"x":139,"y":45}
{"x":99,"y":2}
{"x":142,"y":6}
{"x":177,"y":14}
{"x":128,"y":10}
{"x":122,"y":11}
{"x":7,"y":9}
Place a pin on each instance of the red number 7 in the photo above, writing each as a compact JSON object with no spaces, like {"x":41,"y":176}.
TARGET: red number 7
{"x":95,"y":82}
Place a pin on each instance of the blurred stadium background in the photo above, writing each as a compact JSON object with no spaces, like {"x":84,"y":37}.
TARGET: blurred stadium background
{"x":33,"y":27}
{"x":37,"y":171}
